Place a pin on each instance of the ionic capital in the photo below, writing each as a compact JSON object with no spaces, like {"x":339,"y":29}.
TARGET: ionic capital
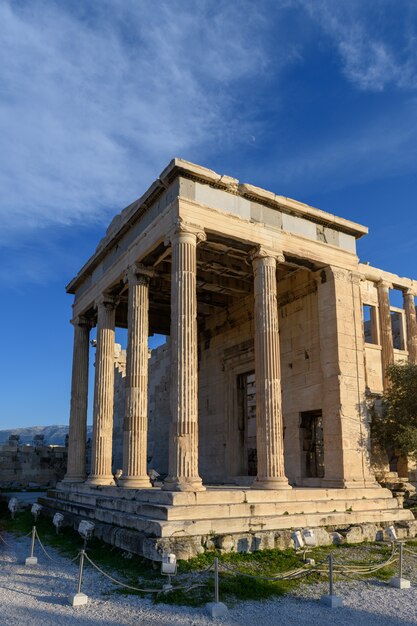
{"x":410,"y":291}
{"x":358,"y":278}
{"x":106,"y":301}
{"x":184,"y":229}
{"x":266,"y":256}
{"x":384,"y":284}
{"x":139,"y":274}
{"x":81,"y":320}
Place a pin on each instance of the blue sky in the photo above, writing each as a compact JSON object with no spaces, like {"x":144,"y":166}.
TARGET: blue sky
{"x":313,"y":99}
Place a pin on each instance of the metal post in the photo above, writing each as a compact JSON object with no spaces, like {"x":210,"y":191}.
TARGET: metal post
{"x":330,"y":574}
{"x":400,"y":582}
{"x":32,"y":547}
{"x":80,"y":571}
{"x":331,"y":600}
{"x":79,"y":599}
{"x":32,"y":560}
{"x":216,"y":608}
{"x":216,"y":579}
{"x":400,"y":562}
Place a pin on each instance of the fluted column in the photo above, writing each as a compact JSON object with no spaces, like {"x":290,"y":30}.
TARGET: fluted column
{"x":79,"y":398}
{"x":411,"y":320}
{"x":101,"y":446}
{"x":387,"y":352}
{"x":183,"y":446}
{"x":269,"y":426}
{"x":135,"y":427}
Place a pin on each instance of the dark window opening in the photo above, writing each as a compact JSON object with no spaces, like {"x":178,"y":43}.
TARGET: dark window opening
{"x":246,"y":401}
{"x":397,"y":330}
{"x":312,"y":444}
{"x":370,"y":328}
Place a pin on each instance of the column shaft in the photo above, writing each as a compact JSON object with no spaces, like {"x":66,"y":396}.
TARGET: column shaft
{"x":269,"y":425}
{"x":135,"y":428}
{"x":411,"y":320}
{"x":101,"y":448}
{"x":183,"y":449}
{"x":387,"y":352}
{"x":79,"y":398}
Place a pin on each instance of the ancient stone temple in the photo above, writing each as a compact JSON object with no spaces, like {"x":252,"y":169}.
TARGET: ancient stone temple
{"x":276,"y":335}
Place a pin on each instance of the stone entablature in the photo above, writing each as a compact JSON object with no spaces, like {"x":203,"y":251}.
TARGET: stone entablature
{"x":220,"y":195}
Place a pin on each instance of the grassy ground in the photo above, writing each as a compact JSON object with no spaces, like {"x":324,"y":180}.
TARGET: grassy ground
{"x":195,"y":582}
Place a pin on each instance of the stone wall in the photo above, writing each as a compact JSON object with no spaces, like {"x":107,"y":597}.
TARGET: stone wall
{"x":37,"y":465}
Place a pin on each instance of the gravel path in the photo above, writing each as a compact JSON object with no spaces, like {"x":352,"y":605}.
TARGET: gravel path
{"x":37,"y":596}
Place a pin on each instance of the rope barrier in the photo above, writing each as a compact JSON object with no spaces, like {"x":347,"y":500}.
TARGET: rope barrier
{"x":290,"y":575}
{"x":43,"y":548}
{"x":118,"y":582}
{"x":414,"y":554}
{"x":347,"y":569}
{"x":5,"y":542}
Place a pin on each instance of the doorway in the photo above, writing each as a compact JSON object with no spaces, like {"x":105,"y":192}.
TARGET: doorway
{"x":312,"y":444}
{"x":246,"y":423}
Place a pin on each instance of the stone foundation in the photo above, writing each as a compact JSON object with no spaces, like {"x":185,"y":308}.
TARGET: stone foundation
{"x":149,"y":522}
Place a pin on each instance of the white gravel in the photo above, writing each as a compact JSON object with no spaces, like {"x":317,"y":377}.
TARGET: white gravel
{"x":38,"y":596}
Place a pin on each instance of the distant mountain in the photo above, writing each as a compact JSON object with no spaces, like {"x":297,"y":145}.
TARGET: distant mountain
{"x":52,"y":434}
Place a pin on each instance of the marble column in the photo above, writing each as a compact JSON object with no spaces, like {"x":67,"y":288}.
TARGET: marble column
{"x":387,"y":352}
{"x":411,"y":321}
{"x":101,"y":447}
{"x":135,"y":427}
{"x":269,"y":425}
{"x":79,"y":397}
{"x":183,"y":446}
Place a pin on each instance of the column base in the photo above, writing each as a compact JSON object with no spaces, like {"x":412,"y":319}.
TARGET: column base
{"x":271,"y":483}
{"x":74,"y":479}
{"x":96,"y":481}
{"x":183,"y":484}
{"x":135,"y":482}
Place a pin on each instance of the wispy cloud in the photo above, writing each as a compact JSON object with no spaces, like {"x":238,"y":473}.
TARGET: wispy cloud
{"x":96,"y":97}
{"x":376,"y":41}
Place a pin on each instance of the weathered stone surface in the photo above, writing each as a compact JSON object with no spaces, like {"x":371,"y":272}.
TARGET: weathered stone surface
{"x":284,"y":341}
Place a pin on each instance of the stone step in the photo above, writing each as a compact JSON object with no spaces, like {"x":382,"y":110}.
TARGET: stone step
{"x":220,"y":495}
{"x":264,"y":509}
{"x":232,"y":510}
{"x":221,"y":525}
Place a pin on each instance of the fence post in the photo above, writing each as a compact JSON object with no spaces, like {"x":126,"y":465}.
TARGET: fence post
{"x":331,"y":600}
{"x":79,"y":599}
{"x":32,"y":560}
{"x":398,"y":581}
{"x":216,"y":608}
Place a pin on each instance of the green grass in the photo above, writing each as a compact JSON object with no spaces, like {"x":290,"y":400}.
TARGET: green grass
{"x":198,"y":584}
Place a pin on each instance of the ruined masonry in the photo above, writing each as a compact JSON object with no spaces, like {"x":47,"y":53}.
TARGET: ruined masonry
{"x":255,"y":410}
